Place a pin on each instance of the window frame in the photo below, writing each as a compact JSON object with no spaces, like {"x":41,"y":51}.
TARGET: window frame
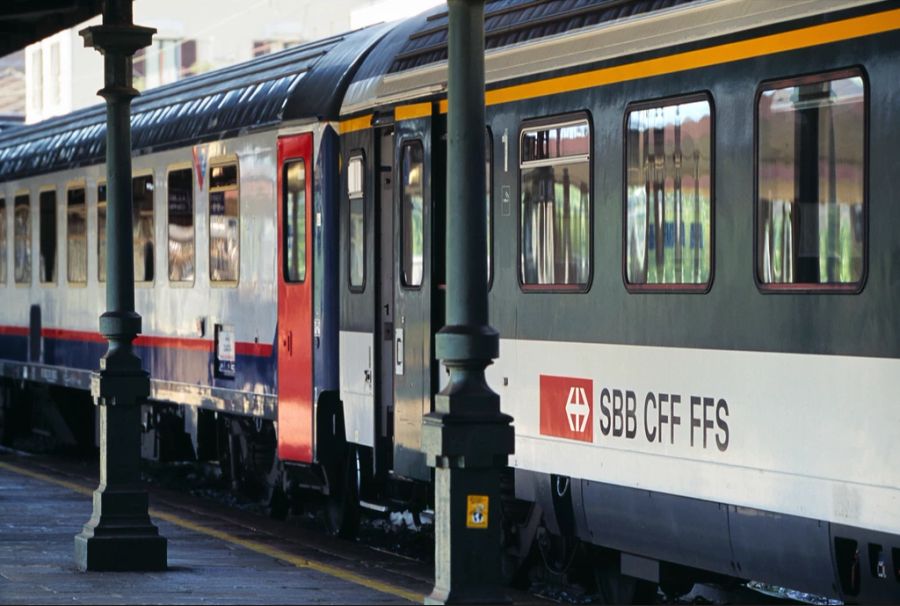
{"x":402,"y":143}
{"x":171,"y":168}
{"x":489,"y":185}
{"x":140,"y":174}
{"x":213,"y":163}
{"x":43,"y":189}
{"x":359,"y":288}
{"x":71,"y":186}
{"x":659,"y":102}
{"x":542,"y":123}
{"x":4,"y":239}
{"x":100,"y":183}
{"x":26,"y":193}
{"x":811,"y":287}
{"x":286,"y":163}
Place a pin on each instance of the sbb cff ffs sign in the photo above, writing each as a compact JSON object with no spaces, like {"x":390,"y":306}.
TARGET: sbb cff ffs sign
{"x":566,"y":407}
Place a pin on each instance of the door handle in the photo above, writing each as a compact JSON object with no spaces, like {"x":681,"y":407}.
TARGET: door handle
{"x":398,"y":353}
{"x":387,"y":309}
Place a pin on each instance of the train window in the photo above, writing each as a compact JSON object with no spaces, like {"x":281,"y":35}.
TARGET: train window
{"x":76,"y":236}
{"x":142,"y":227}
{"x":22,"y":238}
{"x":295,"y":221}
{"x":180,"y":195}
{"x":810,"y":219}
{"x":47,"y":201}
{"x":2,"y":240}
{"x":224,"y":224}
{"x":101,"y":232}
{"x":412,"y":235}
{"x":356,"y":195}
{"x":668,"y":197}
{"x":555,"y":210}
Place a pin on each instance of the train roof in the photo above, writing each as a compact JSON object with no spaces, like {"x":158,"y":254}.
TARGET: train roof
{"x":421,"y":41}
{"x":527,"y":38}
{"x":305,"y":82}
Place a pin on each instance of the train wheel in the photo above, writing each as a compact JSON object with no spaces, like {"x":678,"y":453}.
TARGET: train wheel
{"x":342,"y":504}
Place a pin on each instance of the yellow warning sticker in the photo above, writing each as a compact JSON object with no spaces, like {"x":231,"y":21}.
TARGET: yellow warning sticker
{"x":477,"y":511}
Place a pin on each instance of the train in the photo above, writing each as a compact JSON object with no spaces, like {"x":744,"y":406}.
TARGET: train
{"x":692,"y":266}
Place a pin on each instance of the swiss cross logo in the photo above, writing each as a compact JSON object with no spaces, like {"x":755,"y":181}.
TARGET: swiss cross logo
{"x":566,"y":405}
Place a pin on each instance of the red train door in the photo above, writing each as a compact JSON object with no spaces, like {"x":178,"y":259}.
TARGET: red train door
{"x":295,"y":370}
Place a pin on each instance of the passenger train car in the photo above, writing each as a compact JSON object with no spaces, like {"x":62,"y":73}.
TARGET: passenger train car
{"x":691,"y":265}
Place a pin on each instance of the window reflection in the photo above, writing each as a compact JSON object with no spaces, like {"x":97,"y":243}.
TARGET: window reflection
{"x":2,"y":241}
{"x":224,"y":224}
{"x":669,"y":207}
{"x":556,"y":207}
{"x":76,"y":236}
{"x":101,"y":232}
{"x":413,"y":234}
{"x":295,"y":221}
{"x":810,"y":182}
{"x":22,"y":236}
{"x":142,"y":227}
{"x":356,"y":195}
{"x":180,"y":192}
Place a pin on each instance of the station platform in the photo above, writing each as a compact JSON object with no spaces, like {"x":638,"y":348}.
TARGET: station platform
{"x":216,"y":555}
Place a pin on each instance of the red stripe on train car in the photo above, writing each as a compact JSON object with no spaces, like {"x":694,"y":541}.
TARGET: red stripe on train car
{"x":72,"y":335}
{"x":17,"y":331}
{"x":259,"y":350}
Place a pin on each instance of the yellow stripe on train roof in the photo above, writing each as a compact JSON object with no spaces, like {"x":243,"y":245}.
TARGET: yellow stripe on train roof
{"x":837,"y":31}
{"x":715,"y":55}
{"x":354,"y":124}
{"x":410,"y":112}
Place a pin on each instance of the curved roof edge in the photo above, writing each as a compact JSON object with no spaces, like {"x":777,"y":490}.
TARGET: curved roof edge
{"x":306,"y":81}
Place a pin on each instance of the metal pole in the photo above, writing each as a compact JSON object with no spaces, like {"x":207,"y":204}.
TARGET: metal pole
{"x":467,"y":439}
{"x":119,"y":535}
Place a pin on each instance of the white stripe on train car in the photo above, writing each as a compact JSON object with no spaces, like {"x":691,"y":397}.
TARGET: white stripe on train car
{"x":808,"y":435}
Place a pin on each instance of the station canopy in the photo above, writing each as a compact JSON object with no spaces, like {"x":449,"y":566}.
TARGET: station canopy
{"x":24,"y":22}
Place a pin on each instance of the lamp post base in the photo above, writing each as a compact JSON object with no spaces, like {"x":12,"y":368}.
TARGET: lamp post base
{"x":119,"y":535}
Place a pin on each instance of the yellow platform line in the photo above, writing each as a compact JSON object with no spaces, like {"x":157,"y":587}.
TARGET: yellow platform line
{"x":255,"y":546}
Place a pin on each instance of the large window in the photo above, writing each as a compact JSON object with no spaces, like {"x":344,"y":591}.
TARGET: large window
{"x":22,"y":238}
{"x":143,"y":227}
{"x":48,"y":236}
{"x":3,"y":241}
{"x":668,"y":233}
{"x":76,"y":236}
{"x":810,"y":215}
{"x":224,"y":223}
{"x":295,"y":221}
{"x":181,"y":225}
{"x":555,"y":211}
{"x":356,"y":196}
{"x":101,"y":232}
{"x":412,"y":235}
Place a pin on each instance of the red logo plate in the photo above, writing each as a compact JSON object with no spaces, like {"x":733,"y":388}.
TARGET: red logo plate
{"x":566,"y":405}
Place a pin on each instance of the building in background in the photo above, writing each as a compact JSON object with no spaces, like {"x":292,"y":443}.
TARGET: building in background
{"x":12,"y":89}
{"x":192,"y":37}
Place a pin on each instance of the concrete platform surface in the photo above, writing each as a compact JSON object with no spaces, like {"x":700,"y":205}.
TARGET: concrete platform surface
{"x":212,"y":560}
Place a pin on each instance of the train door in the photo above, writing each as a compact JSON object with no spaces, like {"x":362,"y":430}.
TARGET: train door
{"x":412,"y":295}
{"x":384,"y":300}
{"x":295,"y":371}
